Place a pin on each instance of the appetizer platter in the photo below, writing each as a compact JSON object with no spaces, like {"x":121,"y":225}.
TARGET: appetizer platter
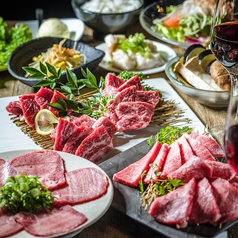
{"x":71,"y":163}
{"x":120,"y":57}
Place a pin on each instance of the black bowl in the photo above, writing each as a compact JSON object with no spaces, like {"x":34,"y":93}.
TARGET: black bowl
{"x":106,"y":22}
{"x":23,"y":55}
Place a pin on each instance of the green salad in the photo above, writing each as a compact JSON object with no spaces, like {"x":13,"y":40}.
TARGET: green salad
{"x":10,"y":39}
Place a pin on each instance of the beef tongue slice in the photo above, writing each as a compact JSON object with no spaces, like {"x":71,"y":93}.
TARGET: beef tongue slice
{"x":6,"y":170}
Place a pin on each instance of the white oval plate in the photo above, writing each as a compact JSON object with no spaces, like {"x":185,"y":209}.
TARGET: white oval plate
{"x":93,"y":210}
{"x":75,"y":27}
{"x":167,"y":53}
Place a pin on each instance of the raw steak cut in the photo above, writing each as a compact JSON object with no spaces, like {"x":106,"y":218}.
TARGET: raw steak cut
{"x":14,"y":108}
{"x":173,"y":160}
{"x":98,"y":139}
{"x":210,"y":144}
{"x":186,"y":151}
{"x":56,"y":95}
{"x":54,"y":222}
{"x":76,"y":138}
{"x":151,"y":97}
{"x":64,"y":130}
{"x":194,"y":168}
{"x":158,"y":164}
{"x":84,"y":118}
{"x":84,"y":185}
{"x":110,"y":127}
{"x":30,"y":108}
{"x":222,"y":170}
{"x":46,"y":164}
{"x":174,"y":207}
{"x":130,"y":82}
{"x":43,"y":97}
{"x":205,"y":208}
{"x":199,"y":149}
{"x":112,"y":82}
{"x":131,"y":175}
{"x":7,"y":223}
{"x":6,"y":170}
{"x":133,"y":115}
{"x":226,"y":196}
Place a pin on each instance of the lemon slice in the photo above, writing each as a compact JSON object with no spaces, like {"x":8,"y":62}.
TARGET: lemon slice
{"x":44,"y":122}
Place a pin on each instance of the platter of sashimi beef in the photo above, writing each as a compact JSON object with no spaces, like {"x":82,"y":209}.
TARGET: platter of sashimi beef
{"x":49,"y":193}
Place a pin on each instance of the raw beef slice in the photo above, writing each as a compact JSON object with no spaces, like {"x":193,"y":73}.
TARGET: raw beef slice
{"x":84,"y":185}
{"x":112,"y":82}
{"x":54,"y":222}
{"x":43,"y":97}
{"x":130,"y":82}
{"x":205,"y":208}
{"x":8,"y":225}
{"x":151,"y":97}
{"x":6,"y":170}
{"x":186,"y":150}
{"x":131,"y":175}
{"x":46,"y":164}
{"x":174,"y":207}
{"x":56,"y":95}
{"x":14,"y":108}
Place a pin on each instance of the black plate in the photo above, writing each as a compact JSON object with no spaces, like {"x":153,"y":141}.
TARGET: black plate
{"x":23,"y":55}
{"x":126,"y":199}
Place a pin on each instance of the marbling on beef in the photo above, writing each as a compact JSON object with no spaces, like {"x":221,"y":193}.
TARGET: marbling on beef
{"x":84,"y":185}
{"x":7,"y":170}
{"x":135,"y":80}
{"x":14,"y":108}
{"x":43,"y":97}
{"x":51,"y":222}
{"x":46,"y":164}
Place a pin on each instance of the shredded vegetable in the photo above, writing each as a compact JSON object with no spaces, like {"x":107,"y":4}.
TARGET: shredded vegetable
{"x":24,"y":193}
{"x":59,"y":57}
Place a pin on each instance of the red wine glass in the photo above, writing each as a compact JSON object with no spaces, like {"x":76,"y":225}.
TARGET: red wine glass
{"x":224,"y":46}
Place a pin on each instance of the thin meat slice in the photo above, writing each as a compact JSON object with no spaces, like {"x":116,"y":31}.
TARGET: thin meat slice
{"x":174,"y":207}
{"x":46,"y":164}
{"x":226,"y":196}
{"x":151,"y":97}
{"x":205,"y":208}
{"x":173,"y":161}
{"x":14,"y":108}
{"x":222,"y":170}
{"x":158,"y":164}
{"x":76,"y":138}
{"x":90,"y":146}
{"x":43,"y":97}
{"x":8,"y":225}
{"x":6,"y":170}
{"x":194,"y":168}
{"x":186,"y":150}
{"x":234,"y":181}
{"x":51,"y":223}
{"x":56,"y":95}
{"x":110,"y":127}
{"x":131,"y":175}
{"x":133,"y":115}
{"x":130,"y":82}
{"x":84,"y":185}
{"x":30,"y":108}
{"x":199,"y":149}
{"x":64,"y":130}
{"x":83,"y":119}
{"x":210,"y":144}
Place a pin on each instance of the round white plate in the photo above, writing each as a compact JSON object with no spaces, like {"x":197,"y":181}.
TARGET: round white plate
{"x":75,"y":27}
{"x":166,"y":52}
{"x":93,"y":210}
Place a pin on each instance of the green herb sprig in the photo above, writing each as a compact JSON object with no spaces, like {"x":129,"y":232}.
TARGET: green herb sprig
{"x":24,"y":193}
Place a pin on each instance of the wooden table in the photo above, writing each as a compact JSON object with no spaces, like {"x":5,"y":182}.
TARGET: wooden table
{"x":114,"y":224}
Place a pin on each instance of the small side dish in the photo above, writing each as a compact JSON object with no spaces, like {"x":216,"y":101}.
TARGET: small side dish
{"x":132,"y":53}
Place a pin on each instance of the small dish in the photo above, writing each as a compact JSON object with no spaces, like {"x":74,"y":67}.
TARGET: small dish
{"x":205,"y":97}
{"x":75,"y":27}
{"x":150,"y":13}
{"x":23,"y":55}
{"x":166,"y":52}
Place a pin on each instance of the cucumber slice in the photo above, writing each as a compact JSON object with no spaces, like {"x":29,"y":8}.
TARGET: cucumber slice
{"x":205,"y":58}
{"x":192,"y":51}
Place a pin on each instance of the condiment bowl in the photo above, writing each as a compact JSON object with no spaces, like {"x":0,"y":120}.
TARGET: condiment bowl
{"x":23,"y":55}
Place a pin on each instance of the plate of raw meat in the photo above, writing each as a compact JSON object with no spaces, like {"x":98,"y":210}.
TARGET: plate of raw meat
{"x":78,"y":185}
{"x":200,"y":208}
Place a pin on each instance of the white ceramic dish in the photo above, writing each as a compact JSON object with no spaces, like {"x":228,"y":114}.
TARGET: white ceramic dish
{"x":75,"y":27}
{"x":167,"y":53}
{"x":93,"y":210}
